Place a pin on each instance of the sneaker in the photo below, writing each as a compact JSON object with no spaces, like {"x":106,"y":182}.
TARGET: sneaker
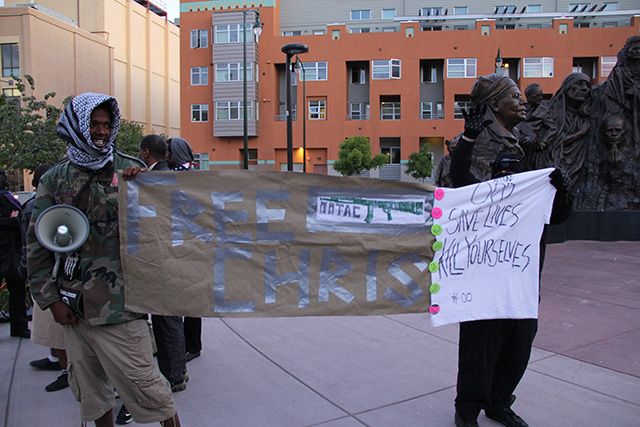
{"x":46,"y":365}
{"x":59,"y":384}
{"x":179,"y":386}
{"x":461,"y":422}
{"x":507,"y":417}
{"x":124,"y":417}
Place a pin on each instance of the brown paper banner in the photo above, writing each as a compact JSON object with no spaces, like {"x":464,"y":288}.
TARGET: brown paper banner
{"x":272,"y":244}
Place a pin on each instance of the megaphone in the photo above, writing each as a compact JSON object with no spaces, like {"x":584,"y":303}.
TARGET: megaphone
{"x":61,"y":229}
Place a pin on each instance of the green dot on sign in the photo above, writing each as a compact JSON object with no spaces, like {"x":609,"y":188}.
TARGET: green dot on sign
{"x":434,"y":288}
{"x":436,"y":229}
{"x":434,"y":266}
{"x":437,"y":245}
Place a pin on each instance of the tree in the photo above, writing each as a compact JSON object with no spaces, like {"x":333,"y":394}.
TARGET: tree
{"x":129,"y":136}
{"x":354,"y":157}
{"x":28,"y":129}
{"x":420,"y":164}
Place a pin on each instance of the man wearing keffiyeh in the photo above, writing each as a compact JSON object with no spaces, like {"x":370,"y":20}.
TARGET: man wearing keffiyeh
{"x":107,"y":346}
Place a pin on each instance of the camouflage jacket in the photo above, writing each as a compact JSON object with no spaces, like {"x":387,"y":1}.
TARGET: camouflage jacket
{"x":99,"y":276}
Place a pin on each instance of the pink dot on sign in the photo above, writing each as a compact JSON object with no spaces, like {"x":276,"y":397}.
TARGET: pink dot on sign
{"x":436,"y":213}
{"x":434,"y":309}
{"x":439,"y":193}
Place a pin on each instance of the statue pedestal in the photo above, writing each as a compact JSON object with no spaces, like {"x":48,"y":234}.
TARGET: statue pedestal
{"x":605,"y":226}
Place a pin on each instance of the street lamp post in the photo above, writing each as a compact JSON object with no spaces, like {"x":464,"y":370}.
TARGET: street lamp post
{"x":299,"y":65}
{"x":290,"y":50}
{"x":257,"y":29}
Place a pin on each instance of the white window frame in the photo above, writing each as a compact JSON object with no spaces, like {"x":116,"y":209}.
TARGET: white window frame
{"x":360,"y":30}
{"x":430,"y":70}
{"x":358,"y":111}
{"x":540,"y":67}
{"x":462,"y":68}
{"x":199,"y":76}
{"x":291,"y":33}
{"x":202,"y":160}
{"x":202,"y":110}
{"x":431,"y":11}
{"x":361,"y":72}
{"x":606,"y":65}
{"x":388,"y":13}
{"x":315,"y":71}
{"x":393,"y":152}
{"x":385,"y":69}
{"x":458,"y":106}
{"x":232,"y":72}
{"x":317,"y":109}
{"x":510,"y":8}
{"x":361,"y":15}
{"x":233,"y":110}
{"x":390,"y":110}
{"x":431,"y":110}
{"x":461,"y":10}
{"x":199,"y":39}
{"x":233,"y":33}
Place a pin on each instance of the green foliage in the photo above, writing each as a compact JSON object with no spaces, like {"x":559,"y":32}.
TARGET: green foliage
{"x":28,"y":129}
{"x":354,"y":157}
{"x":129,"y":136}
{"x":420,"y":164}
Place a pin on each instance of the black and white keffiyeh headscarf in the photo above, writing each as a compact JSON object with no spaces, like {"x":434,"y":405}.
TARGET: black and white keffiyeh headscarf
{"x":74,"y":126}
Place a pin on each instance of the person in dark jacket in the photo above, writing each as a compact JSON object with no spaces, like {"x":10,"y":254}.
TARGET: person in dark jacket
{"x":493,"y":354}
{"x":11,"y":258}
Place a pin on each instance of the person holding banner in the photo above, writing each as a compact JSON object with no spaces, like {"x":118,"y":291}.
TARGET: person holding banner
{"x":107,"y":346}
{"x":493,"y":354}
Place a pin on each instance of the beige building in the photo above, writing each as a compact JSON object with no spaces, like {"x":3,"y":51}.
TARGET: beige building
{"x":132,"y":52}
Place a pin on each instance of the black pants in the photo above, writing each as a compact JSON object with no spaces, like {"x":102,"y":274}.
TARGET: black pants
{"x":17,"y":308}
{"x":192,"y":334}
{"x":492,"y":358}
{"x":169,"y":337}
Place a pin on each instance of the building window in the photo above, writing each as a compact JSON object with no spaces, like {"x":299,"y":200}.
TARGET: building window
{"x":360,"y":30}
{"x":430,"y":73}
{"x":563,"y":29}
{"x":578,"y":7}
{"x":537,"y":67}
{"x":319,"y":32}
{"x":506,"y":27}
{"x":232,"y":72}
{"x":202,"y":161}
{"x":460,"y":27}
{"x":610,"y":5}
{"x":232,"y":110}
{"x":317,"y":110}
{"x":459,"y":107}
{"x":360,"y":15}
{"x":609,"y":24}
{"x":393,"y":153}
{"x":389,"y":29}
{"x":460,"y":10}
{"x":461,"y":68}
{"x":432,"y":28}
{"x":199,"y":112}
{"x":388,"y":13}
{"x":232,"y":33}
{"x":485,"y":30}
{"x":335,"y":35}
{"x":581,"y":25}
{"x":291,"y":33}
{"x":606,"y":65}
{"x":431,"y":11}
{"x":389,"y":110}
{"x":534,"y":26}
{"x":358,"y":75}
{"x":199,"y":38}
{"x":534,"y":8}
{"x":10,"y":60}
{"x":315,"y":71}
{"x":199,"y":76}
{"x":431,"y":110}
{"x":358,"y":111}
{"x":385,"y":69}
{"x":504,"y":9}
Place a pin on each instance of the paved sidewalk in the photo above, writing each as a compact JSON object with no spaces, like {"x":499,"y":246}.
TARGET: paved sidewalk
{"x":392,"y":370}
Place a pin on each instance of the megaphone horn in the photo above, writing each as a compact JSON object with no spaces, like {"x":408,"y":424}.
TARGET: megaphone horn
{"x":62,"y":228}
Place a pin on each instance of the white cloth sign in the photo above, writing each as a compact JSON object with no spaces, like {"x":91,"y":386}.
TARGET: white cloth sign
{"x":488,"y":248}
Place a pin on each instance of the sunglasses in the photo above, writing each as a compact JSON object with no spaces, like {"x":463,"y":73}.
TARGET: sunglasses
{"x":504,"y":163}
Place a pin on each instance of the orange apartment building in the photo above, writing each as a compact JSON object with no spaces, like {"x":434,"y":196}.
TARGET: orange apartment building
{"x":396,"y":72}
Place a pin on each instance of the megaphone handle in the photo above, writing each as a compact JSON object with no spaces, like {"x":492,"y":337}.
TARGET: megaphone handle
{"x":56,"y":267}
